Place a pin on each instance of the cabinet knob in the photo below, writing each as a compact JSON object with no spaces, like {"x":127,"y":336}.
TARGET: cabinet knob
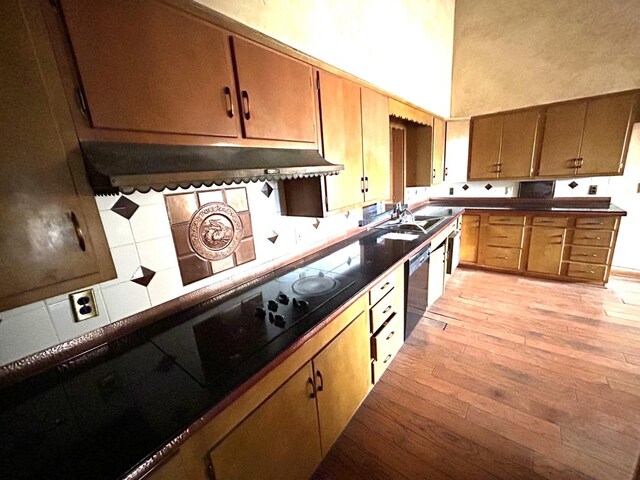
{"x":79,"y":234}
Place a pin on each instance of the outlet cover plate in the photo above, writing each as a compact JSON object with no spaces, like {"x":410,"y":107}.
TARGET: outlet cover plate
{"x":83,"y":305}
{"x":593,"y":189}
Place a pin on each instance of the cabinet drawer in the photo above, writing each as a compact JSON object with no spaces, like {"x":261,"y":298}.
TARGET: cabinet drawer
{"x":597,"y":238}
{"x":378,"y":367}
{"x":504,"y":236}
{"x":587,"y":271}
{"x":602,"y":223}
{"x":389,"y":339}
{"x":385,"y":308}
{"x":506,"y":219}
{"x":385,"y":285}
{"x":550,"y":221}
{"x":589,"y":254}
{"x":502,"y":257}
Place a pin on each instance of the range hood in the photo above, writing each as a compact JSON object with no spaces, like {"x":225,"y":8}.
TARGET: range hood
{"x":127,"y":167}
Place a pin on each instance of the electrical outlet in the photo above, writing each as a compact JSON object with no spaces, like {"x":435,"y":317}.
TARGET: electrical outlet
{"x":83,"y":305}
{"x":450,"y":190}
{"x":593,"y":189}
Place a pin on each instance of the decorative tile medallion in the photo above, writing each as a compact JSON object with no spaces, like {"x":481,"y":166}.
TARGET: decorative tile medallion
{"x":316,"y":223}
{"x":488,"y":186}
{"x":125,"y":207}
{"x":211,"y":230}
{"x":267,"y":189}
{"x":143,"y":276}
{"x":465,"y":187}
{"x":573,"y":184}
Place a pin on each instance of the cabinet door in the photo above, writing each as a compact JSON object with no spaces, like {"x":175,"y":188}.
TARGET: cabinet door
{"x":342,"y":139}
{"x":398,"y":140}
{"x":342,"y":376}
{"x":46,"y":246}
{"x":605,"y":135}
{"x":469,"y":241}
{"x":437,"y":158}
{"x":486,"y":134}
{"x":375,"y":144}
{"x":545,"y":250}
{"x":456,"y":152}
{"x":518,"y":143}
{"x":563,"y":129}
{"x":147,"y":66}
{"x":276,"y":94}
{"x":278,"y":440}
{"x":437,"y":269}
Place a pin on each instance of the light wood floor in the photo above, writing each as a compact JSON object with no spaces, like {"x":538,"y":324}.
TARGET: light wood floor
{"x":530,"y":379}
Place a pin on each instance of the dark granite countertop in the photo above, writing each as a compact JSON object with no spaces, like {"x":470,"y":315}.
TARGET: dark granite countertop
{"x":103,"y":413}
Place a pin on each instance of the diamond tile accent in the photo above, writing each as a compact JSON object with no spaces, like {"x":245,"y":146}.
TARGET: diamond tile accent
{"x":465,"y":187}
{"x":349,"y":260}
{"x":488,"y":186}
{"x":143,"y":276}
{"x":267,"y":189}
{"x":573,"y":185}
{"x":316,"y":224}
{"x":125,"y":207}
{"x":273,"y":237}
{"x":347,"y":214}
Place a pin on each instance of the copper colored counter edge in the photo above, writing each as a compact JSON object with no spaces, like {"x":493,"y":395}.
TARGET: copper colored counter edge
{"x":31,"y":365}
{"x":171,"y":448}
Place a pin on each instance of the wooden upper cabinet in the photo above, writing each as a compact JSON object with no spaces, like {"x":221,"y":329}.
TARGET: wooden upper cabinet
{"x":437,"y":158}
{"x":456,"y":151}
{"x":342,"y":139}
{"x":486,"y":136}
{"x":518,"y":144}
{"x":563,"y":129}
{"x":52,"y":239}
{"x":375,"y":144}
{"x":276,"y":94}
{"x":146,"y":66}
{"x":607,"y":127}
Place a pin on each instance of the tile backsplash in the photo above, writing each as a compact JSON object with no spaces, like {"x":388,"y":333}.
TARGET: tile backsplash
{"x":139,"y":234}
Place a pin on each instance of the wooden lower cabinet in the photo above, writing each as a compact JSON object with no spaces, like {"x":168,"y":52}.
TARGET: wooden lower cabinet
{"x":545,"y":250}
{"x":279,"y":440}
{"x":575,"y":248}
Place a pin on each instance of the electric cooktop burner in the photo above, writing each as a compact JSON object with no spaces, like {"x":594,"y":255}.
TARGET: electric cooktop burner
{"x":217,"y":340}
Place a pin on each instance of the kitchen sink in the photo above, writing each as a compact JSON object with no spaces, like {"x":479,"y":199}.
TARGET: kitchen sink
{"x":419,"y":224}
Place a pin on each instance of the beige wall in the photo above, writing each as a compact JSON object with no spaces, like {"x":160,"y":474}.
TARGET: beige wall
{"x":516,"y":53}
{"x":402,"y":46}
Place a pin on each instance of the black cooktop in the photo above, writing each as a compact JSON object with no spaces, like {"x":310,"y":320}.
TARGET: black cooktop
{"x":218,"y":340}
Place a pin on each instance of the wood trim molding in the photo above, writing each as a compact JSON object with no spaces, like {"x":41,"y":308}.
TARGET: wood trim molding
{"x":400,"y":109}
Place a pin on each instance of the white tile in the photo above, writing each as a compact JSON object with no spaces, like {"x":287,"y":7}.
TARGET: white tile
{"x":125,"y":299}
{"x":158,"y":254}
{"x":116,"y":228}
{"x":26,"y":333}
{"x":126,"y":261}
{"x":149,"y":222}
{"x":64,"y":322}
{"x":20,"y":310}
{"x":164,"y":286}
{"x":150,"y":198}
{"x":105,"y":202}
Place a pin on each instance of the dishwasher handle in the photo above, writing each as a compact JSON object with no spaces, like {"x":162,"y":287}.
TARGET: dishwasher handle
{"x":418,"y":260}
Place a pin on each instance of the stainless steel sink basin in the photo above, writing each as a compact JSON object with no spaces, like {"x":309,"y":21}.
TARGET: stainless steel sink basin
{"x":419,"y":224}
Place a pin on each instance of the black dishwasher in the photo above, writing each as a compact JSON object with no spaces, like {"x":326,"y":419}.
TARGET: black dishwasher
{"x":416,"y":278}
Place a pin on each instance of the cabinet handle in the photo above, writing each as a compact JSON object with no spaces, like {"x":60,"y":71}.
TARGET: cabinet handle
{"x":366,"y":184}
{"x":390,"y":335}
{"x":386,"y":309}
{"x":321,"y":385}
{"x":580,"y":162}
{"x":385,"y":286}
{"x":446,"y":171}
{"x":591,"y":238}
{"x":362,"y":184}
{"x":502,"y":258}
{"x":593,"y":223}
{"x":229,"y":101}
{"x":584,"y":255}
{"x":79,"y":234}
{"x":313,"y":388}
{"x":245,"y":105}
{"x":434,"y":173}
{"x":387,"y":359}
{"x":586,"y":271}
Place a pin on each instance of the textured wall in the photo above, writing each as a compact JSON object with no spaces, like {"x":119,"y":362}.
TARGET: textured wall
{"x":516,"y":53}
{"x":403,"y":46}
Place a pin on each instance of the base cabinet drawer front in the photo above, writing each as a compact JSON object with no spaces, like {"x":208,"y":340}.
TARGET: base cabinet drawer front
{"x":596,"y":238}
{"x":390,"y":304}
{"x":503,"y":236}
{"x":604,"y":223}
{"x":506,"y":219}
{"x":587,"y":271}
{"x":589,"y":255}
{"x":288,"y":418}
{"x":379,"y":367}
{"x":550,"y":221}
{"x":385,"y":285}
{"x":389,"y":339}
{"x":502,"y":257}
